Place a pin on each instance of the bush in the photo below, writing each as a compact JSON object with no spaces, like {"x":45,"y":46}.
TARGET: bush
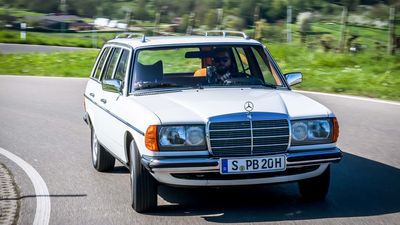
{"x":328,"y":42}
{"x":234,"y":22}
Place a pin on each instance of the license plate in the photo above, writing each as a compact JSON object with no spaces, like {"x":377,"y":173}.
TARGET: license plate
{"x":252,"y":164}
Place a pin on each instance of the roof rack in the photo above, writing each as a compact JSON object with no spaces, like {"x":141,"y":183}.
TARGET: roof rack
{"x":227,"y":33}
{"x":131,"y":35}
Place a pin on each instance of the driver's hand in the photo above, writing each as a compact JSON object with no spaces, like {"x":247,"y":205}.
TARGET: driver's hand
{"x":228,"y":82}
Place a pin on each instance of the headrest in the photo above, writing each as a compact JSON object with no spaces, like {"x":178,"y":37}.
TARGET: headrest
{"x":149,"y":73}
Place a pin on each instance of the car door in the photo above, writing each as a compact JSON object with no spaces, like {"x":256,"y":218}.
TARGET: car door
{"x":114,"y":126}
{"x":93,"y":92}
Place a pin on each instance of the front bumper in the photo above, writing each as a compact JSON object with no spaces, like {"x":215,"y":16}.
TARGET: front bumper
{"x":167,"y":169}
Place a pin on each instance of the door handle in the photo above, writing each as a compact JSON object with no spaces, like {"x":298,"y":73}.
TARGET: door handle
{"x":103,"y":100}
{"x":92,"y":95}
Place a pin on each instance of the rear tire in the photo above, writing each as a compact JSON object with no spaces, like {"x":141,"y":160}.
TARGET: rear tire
{"x":102,"y":160}
{"x":143,"y":185}
{"x":316,"y":188}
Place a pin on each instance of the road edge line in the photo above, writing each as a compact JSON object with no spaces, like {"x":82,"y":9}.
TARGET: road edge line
{"x":350,"y":97}
{"x":43,"y":205}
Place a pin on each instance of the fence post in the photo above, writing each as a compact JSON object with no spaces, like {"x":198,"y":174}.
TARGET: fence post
{"x":289,"y":24}
{"x":23,"y":31}
{"x":343,"y":29}
{"x":392,"y":34}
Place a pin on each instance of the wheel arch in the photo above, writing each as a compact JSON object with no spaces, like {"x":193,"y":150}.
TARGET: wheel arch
{"x":127,"y":141}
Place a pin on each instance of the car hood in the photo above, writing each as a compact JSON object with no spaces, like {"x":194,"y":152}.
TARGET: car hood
{"x":198,"y":105}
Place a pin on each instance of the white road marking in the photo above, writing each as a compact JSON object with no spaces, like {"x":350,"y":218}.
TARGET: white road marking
{"x":43,"y":207}
{"x":351,"y":97}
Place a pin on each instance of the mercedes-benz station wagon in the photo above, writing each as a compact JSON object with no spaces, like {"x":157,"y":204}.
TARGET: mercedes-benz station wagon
{"x":213,"y":110}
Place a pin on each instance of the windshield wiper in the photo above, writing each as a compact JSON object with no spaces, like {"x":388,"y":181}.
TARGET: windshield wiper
{"x":142,"y":86}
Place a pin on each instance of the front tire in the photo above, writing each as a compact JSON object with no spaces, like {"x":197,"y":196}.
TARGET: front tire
{"x":143,"y":185}
{"x":316,"y":188}
{"x":102,"y":160}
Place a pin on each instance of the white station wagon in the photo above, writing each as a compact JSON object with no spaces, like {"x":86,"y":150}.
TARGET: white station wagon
{"x":205,"y":111}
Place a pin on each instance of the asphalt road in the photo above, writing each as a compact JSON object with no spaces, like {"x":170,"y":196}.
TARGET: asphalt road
{"x":41,"y":122}
{"x":19,"y":48}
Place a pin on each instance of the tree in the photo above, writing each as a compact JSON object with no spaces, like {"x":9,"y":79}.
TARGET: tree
{"x":140,"y":11}
{"x":246,"y":11}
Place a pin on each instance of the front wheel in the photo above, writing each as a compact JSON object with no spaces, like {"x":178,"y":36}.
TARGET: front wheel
{"x":143,"y":185}
{"x":315,"y":188}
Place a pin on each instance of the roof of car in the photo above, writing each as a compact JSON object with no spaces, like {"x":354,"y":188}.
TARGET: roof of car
{"x":160,"y":41}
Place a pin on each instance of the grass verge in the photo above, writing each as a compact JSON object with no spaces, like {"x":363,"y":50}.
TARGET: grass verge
{"x":61,"y":64}
{"x":367,"y":74}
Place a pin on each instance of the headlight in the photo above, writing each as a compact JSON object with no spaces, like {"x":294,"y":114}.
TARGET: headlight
{"x":182,"y":138}
{"x":306,"y":132}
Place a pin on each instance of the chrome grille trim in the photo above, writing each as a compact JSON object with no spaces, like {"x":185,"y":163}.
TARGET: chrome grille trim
{"x":248,"y":146}
{"x":275,"y":136}
{"x":251,"y":133}
{"x":242,"y":134}
{"x":264,"y":128}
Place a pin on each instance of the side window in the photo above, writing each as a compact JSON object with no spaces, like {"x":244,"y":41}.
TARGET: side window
{"x":263,"y":62}
{"x":100,"y":63}
{"x":111,"y":64}
{"x":122,"y":66}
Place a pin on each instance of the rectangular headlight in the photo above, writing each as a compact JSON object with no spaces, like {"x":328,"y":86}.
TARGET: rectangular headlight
{"x":312,"y":131}
{"x":190,"y":137}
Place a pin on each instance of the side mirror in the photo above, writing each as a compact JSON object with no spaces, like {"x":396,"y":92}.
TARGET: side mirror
{"x":294,"y":78}
{"x":112,"y":86}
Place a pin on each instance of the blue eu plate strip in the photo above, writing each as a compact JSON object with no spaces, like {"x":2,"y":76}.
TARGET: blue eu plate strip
{"x":224,"y":165}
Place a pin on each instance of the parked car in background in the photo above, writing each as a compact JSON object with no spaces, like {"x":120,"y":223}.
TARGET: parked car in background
{"x":162,"y":108}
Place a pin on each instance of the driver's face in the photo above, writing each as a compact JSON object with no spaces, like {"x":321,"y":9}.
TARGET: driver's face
{"x":222,"y":61}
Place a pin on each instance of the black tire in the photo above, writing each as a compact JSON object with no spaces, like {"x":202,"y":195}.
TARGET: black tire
{"x":102,"y":160}
{"x":143,"y":185}
{"x":316,"y":188}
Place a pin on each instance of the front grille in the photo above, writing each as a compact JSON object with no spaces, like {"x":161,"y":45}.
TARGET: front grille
{"x":252,"y":137}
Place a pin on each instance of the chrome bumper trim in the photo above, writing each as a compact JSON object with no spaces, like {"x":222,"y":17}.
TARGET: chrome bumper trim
{"x":204,"y":165}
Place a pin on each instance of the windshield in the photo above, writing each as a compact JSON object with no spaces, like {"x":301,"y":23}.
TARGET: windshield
{"x":203,"y":66}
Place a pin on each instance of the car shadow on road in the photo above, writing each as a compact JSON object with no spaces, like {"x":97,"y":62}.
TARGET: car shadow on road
{"x":120,"y":169}
{"x":359,"y":187}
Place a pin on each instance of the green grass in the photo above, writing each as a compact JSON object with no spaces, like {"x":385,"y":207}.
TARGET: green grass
{"x":367,"y":35}
{"x":368,"y":74}
{"x":60,"y":64}
{"x":58,"y":39}
{"x":18,"y":12}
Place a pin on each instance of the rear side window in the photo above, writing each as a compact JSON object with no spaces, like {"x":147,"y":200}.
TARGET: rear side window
{"x":112,"y":63}
{"x":122,"y":66}
{"x":101,"y":62}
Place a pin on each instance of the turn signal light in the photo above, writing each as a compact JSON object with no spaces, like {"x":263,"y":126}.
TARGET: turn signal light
{"x":151,"y":138}
{"x":335,"y":134}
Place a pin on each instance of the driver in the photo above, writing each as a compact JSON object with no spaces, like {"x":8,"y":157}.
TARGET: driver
{"x":223,"y":65}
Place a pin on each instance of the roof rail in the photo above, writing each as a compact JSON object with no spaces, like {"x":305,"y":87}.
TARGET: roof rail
{"x":227,"y":33}
{"x":131,"y":35}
